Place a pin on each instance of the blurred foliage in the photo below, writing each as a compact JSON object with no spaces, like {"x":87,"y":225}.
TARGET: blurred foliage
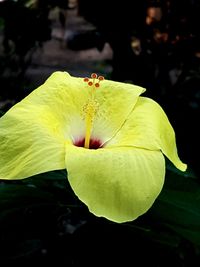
{"x":24,"y":26}
{"x":168,"y":34}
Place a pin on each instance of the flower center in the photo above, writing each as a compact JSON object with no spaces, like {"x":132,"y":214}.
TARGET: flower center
{"x":94,"y":143}
{"x":90,"y":110}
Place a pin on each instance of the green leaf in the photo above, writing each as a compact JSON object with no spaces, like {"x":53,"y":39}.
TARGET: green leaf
{"x":1,"y":113}
{"x":178,"y":206}
{"x":56,"y":183}
{"x":1,"y":23}
{"x":16,"y":198}
{"x":189,"y":173}
{"x":21,"y":250}
{"x":56,"y":179}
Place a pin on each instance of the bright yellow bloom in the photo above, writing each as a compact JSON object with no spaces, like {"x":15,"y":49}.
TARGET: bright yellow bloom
{"x":122,"y":173}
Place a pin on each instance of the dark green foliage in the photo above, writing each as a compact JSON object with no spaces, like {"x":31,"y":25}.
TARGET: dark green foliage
{"x":42,"y":221}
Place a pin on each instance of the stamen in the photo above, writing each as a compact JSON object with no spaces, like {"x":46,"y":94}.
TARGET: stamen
{"x":94,"y":77}
{"x":91,"y":107}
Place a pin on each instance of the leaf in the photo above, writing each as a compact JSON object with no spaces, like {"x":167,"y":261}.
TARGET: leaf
{"x":22,"y":249}
{"x":57,"y":179}
{"x":173,"y":170}
{"x":56,"y":183}
{"x":1,"y":113}
{"x":16,"y":198}
{"x":178,"y":206}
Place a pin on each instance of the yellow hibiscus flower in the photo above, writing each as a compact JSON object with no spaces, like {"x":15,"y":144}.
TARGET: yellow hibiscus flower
{"x":111,"y":140}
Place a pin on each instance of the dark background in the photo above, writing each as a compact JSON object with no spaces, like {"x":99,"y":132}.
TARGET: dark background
{"x":155,"y":44}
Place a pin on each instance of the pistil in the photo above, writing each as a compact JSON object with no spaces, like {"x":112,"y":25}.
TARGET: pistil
{"x":90,"y":112}
{"x":91,"y":107}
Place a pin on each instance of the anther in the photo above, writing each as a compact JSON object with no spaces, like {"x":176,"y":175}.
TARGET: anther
{"x":101,"y":78}
{"x":93,"y":75}
{"x":86,"y":79}
{"x":93,"y":82}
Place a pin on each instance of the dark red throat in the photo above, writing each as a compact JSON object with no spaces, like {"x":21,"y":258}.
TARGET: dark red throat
{"x":94,"y":143}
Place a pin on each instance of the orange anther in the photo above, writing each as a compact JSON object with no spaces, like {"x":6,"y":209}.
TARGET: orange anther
{"x":93,"y":75}
{"x":86,"y":79}
{"x":101,"y":78}
{"x":92,"y":81}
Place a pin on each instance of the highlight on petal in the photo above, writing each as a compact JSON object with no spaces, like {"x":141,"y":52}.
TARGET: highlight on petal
{"x":117,"y":183}
{"x":27,"y":146}
{"x":116,"y":101}
{"x":148,"y":127}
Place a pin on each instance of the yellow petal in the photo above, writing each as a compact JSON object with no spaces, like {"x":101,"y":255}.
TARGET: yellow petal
{"x":33,"y":132}
{"x":116,"y":100}
{"x":61,"y":97}
{"x":117,"y":183}
{"x":27,"y":147}
{"x":148,"y":127}
{"x":66,"y":96}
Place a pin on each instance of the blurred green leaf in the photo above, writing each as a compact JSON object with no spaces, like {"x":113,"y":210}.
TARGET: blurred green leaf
{"x":57,"y":179}
{"x":1,"y":23}
{"x":24,"y":249}
{"x":31,"y":208}
{"x":1,"y":113}
{"x":19,"y":198}
{"x":56,"y":183}
{"x":178,"y":206}
{"x":171,"y":169}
